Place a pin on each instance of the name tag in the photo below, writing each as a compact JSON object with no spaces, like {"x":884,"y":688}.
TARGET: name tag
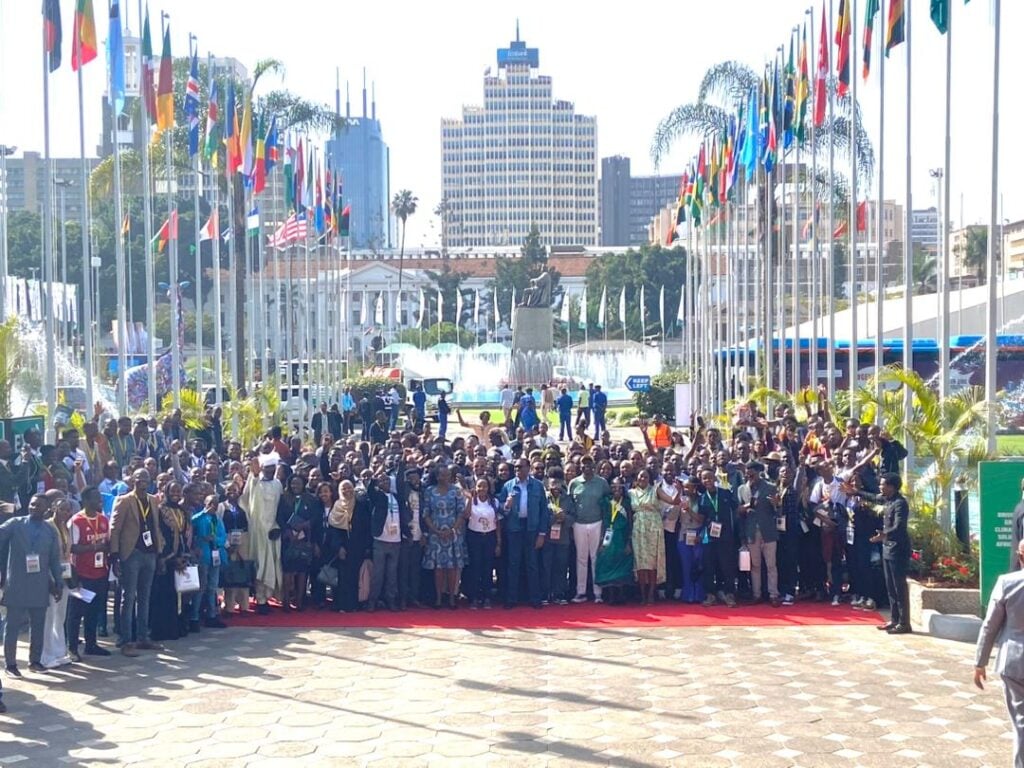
{"x":215,"y":557}
{"x":97,"y":560}
{"x":780,"y":523}
{"x":607,"y":540}
{"x":691,"y":538}
{"x":849,"y":535}
{"x":556,"y":532}
{"x":65,"y":570}
{"x":40,"y":487}
{"x":715,"y":530}
{"x":31,"y":563}
{"x":301,"y":536}
{"x":147,"y":538}
{"x":235,"y":538}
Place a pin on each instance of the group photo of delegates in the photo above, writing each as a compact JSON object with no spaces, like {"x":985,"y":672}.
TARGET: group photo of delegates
{"x":146,"y":532}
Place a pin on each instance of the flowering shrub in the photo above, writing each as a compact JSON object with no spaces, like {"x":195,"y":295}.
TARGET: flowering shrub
{"x":960,"y":569}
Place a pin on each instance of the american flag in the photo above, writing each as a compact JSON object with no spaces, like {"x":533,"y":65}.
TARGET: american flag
{"x":293,"y":229}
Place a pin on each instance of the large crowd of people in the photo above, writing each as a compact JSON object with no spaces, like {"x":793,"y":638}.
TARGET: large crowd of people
{"x":149,"y":532}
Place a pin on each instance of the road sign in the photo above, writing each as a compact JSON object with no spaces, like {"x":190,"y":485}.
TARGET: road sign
{"x":638,"y":383}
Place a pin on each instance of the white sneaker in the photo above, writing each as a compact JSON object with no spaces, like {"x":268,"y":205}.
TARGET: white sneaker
{"x":857,"y":601}
{"x":835,"y":601}
{"x":580,"y":599}
{"x":598,"y":600}
{"x":787,"y":600}
{"x":868,"y":604}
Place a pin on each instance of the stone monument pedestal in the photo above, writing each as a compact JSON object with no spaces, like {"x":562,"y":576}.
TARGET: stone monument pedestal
{"x":532,"y":342}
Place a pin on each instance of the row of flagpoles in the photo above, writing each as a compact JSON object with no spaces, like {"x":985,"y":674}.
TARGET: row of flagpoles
{"x":739,"y":169}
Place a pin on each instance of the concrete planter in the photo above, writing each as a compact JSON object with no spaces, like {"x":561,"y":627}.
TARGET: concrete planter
{"x":948,"y":612}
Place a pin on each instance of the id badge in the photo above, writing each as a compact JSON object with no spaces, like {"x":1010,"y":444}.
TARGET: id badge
{"x":215,"y":557}
{"x":691,"y":538}
{"x":234,"y":538}
{"x":607,"y":538}
{"x":556,"y":532}
{"x":97,"y":560}
{"x":849,"y":535}
{"x":31,"y":563}
{"x":40,"y":487}
{"x":715,"y":530}
{"x":780,"y":523}
{"x":65,"y":570}
{"x":302,"y":535}
{"x":147,"y":538}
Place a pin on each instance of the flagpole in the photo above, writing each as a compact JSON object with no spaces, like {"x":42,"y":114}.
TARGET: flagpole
{"x":908,"y":252}
{"x":830,"y":271}
{"x":51,"y":353}
{"x":218,"y":338}
{"x":991,"y":352}
{"x":879,"y":219}
{"x":122,"y":336}
{"x":795,"y":267}
{"x":769,"y":284}
{"x":691,"y":271}
{"x":147,"y":235}
{"x":173,"y":255}
{"x":716,"y":329}
{"x":196,"y":226}
{"x":756,"y":271}
{"x":854,"y":367}
{"x":944,"y":324}
{"x":250,"y":293}
{"x":233,"y":297}
{"x":86,"y":326}
{"x":814,"y":267}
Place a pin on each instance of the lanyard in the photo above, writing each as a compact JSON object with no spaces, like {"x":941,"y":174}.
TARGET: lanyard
{"x":713,"y":500}
{"x":616,"y":509}
{"x":143,"y":509}
{"x":123,"y":443}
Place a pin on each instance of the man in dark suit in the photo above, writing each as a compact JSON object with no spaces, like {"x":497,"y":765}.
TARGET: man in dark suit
{"x":895,"y":540}
{"x":12,"y":478}
{"x":1005,"y":619}
{"x":759,"y":532}
{"x":527,"y":521}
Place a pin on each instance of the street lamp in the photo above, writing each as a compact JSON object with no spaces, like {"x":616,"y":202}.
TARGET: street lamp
{"x":5,"y":152}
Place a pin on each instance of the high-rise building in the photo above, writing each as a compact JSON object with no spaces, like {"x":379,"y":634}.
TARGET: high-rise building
{"x":925,"y":228}
{"x":629,"y":202}
{"x":523,"y":159}
{"x":24,"y":185}
{"x":359,"y":153}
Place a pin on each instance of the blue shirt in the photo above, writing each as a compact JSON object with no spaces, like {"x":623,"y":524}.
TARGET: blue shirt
{"x":565,"y":404}
{"x":419,"y":401}
{"x":205,"y":525}
{"x":599,"y":401}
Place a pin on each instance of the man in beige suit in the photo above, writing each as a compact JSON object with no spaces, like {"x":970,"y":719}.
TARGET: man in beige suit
{"x":1004,"y":620}
{"x":135,"y":540}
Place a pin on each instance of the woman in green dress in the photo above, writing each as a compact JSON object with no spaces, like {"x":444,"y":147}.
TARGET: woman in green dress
{"x":647,"y":537}
{"x":613,"y":569}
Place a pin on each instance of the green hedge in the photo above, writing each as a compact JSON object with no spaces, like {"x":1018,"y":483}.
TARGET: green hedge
{"x":661,"y":397}
{"x":369,"y":385}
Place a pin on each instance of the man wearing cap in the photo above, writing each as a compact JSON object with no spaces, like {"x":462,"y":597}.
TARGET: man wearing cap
{"x":259,"y":501}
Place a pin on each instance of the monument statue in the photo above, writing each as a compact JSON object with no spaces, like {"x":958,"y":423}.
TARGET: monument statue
{"x":539,"y":292}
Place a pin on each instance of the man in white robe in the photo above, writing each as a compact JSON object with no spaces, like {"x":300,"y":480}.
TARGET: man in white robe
{"x":259,"y":500}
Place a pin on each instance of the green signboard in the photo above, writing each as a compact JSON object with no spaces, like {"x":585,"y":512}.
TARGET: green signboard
{"x":999,"y":493}
{"x":15,"y":429}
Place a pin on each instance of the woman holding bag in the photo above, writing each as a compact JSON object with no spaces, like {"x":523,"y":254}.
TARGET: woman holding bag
{"x":299,"y":517}
{"x":166,"y":619}
{"x":237,"y":574}
{"x":336,"y":544}
{"x":55,"y":644}
{"x":613,"y":567}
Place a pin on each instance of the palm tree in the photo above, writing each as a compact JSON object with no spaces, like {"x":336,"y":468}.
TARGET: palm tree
{"x":403,"y":206}
{"x":10,"y":362}
{"x":923,"y":271}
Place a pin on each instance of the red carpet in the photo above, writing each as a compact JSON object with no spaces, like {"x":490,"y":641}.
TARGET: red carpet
{"x":586,"y":616}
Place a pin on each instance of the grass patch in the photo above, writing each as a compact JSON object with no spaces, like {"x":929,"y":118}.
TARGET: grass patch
{"x":1010,"y":445}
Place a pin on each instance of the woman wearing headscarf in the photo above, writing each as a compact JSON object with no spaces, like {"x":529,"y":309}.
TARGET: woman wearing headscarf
{"x":166,"y":620}
{"x":336,"y":545}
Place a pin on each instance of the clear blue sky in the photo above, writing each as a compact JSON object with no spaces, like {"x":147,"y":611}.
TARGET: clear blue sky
{"x":628,"y":64}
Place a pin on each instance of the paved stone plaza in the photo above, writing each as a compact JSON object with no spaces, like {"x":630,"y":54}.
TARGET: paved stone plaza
{"x":818,"y":696}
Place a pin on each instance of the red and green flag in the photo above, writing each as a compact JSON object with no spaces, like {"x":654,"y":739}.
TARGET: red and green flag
{"x":148,"y":82}
{"x":870,"y":12}
{"x":83,"y":44}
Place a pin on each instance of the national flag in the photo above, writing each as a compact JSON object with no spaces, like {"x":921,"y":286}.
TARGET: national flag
{"x":458,"y":307}
{"x":750,"y":150}
{"x":245,"y":141}
{"x":939,"y":13}
{"x":272,"y":143}
{"x":363,"y":316}
{"x":870,"y":12}
{"x":165,"y":88}
{"x":299,"y":179}
{"x":789,"y":106}
{"x":346,"y":214}
{"x":319,"y":220}
{"x":661,"y":307}
{"x":192,"y":105}
{"x":210,"y":229}
{"x":840,"y":230}
{"x":259,"y":168}
{"x":83,"y":44}
{"x":497,"y":311}
{"x":770,"y":115}
{"x":811,"y":223}
{"x":148,"y":84}
{"x":308,"y":196}
{"x":233,"y":149}
{"x":169,"y":231}
{"x":894,"y":27}
{"x":803,"y":91}
{"x":212,"y":125}
{"x":697,"y":198}
{"x":115,"y":60}
{"x":582,"y":320}
{"x":564,"y":315}
{"x":289,"y":177}
{"x":681,"y":311}
{"x":52,"y":33}
{"x":126,"y":226}
{"x":512,"y":310}
{"x":622,"y":306}
{"x":294,"y":229}
{"x":423,"y":308}
{"x":378,"y":309}
{"x":476,"y":307}
{"x":844,"y":31}
{"x":820,"y":84}
{"x":252,"y":221}
{"x":602,"y":307}
{"x":440,"y":307}
{"x":862,"y":216}
{"x":227,"y":234}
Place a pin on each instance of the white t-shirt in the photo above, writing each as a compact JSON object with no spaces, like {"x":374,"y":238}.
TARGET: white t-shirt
{"x":669,"y":513}
{"x":392,"y":532}
{"x":507,"y":397}
{"x":482,"y":517}
{"x":544,"y":441}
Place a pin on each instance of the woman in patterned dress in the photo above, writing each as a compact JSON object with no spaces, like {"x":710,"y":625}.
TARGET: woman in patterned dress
{"x":445,"y":515}
{"x":648,"y":539}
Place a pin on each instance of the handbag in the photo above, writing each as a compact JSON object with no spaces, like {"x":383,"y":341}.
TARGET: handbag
{"x":745,"y":560}
{"x":236,"y":574}
{"x":365,"y":574}
{"x":298,"y":556}
{"x":329,"y":574}
{"x":187,"y":580}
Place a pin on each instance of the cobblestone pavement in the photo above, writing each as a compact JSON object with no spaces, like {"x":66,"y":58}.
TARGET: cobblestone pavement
{"x":821,"y":696}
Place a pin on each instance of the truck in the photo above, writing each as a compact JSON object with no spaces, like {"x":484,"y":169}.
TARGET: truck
{"x":432,"y":386}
